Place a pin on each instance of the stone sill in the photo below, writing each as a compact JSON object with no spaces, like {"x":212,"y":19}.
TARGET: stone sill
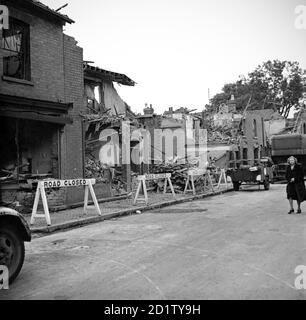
{"x":19,"y":81}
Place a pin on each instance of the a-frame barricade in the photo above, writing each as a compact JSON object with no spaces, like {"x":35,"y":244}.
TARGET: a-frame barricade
{"x":48,"y":184}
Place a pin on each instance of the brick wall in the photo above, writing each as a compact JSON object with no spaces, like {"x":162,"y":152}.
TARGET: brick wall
{"x":46,"y":50}
{"x":72,"y":138}
{"x":55,"y":198}
{"x":56,"y":75}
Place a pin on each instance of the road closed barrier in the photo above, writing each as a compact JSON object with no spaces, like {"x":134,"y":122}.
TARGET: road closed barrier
{"x":149,"y":177}
{"x":49,"y":184}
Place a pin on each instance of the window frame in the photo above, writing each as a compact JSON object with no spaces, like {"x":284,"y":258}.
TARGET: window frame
{"x":25,"y":50}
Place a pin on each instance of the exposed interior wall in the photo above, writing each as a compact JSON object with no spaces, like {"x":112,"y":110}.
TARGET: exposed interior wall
{"x":93,"y":101}
{"x":101,"y":96}
{"x":112,"y":100}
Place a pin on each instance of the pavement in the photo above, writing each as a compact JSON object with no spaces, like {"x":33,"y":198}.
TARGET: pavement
{"x":72,"y":218}
{"x":238,"y":245}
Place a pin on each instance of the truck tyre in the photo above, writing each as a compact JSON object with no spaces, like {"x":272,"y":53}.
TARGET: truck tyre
{"x":236,"y":186}
{"x":267,"y":184}
{"x":11,"y":250}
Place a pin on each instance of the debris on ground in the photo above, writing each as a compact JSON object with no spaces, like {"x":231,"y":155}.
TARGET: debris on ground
{"x":224,"y":135}
{"x":179,"y":175}
{"x":95,"y":170}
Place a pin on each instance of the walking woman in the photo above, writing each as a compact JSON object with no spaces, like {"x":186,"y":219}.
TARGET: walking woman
{"x":296,"y":186}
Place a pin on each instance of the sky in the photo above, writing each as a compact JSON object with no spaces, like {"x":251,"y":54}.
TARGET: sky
{"x":178,"y":51}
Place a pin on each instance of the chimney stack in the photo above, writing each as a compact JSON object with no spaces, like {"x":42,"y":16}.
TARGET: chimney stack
{"x":148,"y":110}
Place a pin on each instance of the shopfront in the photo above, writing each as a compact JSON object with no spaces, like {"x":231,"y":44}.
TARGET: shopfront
{"x":30,"y":145}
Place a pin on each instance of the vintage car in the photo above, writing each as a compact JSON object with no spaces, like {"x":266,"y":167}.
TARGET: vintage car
{"x":260,"y":174}
{"x":14,"y":231}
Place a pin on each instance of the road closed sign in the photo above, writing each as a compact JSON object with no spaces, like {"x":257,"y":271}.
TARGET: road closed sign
{"x":159,"y":176}
{"x":149,"y":177}
{"x":68,"y":183}
{"x":49,"y":184}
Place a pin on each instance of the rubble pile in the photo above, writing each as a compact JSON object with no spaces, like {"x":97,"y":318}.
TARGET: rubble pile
{"x":224,"y":135}
{"x":105,"y":174}
{"x":95,"y":170}
{"x":118,"y":182}
{"x":179,"y":174}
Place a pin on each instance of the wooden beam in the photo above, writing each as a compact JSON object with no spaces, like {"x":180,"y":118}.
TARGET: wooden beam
{"x":36,"y":117}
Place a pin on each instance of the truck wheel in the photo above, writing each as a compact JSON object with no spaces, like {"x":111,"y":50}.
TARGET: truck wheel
{"x":236,"y":186}
{"x":267,"y":185}
{"x":11,"y":250}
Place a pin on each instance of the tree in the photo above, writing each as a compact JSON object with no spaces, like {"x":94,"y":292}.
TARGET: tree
{"x":285,"y":84}
{"x":242,"y":90}
{"x":274,"y":84}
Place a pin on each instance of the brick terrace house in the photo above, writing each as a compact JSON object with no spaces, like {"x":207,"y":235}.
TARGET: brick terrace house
{"x":41,"y":94}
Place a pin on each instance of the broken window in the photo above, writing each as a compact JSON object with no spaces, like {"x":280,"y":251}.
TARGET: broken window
{"x":93,"y":94}
{"x":16,"y":50}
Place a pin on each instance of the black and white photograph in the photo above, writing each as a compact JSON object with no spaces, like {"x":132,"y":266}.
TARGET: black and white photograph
{"x":152,"y":150}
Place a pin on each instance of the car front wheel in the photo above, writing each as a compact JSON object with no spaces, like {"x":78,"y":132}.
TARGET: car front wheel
{"x":11,"y":250}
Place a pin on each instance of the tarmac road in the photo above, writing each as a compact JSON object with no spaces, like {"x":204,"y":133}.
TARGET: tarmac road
{"x":240,"y":245}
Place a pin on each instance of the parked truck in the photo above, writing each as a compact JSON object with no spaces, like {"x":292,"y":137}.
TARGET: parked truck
{"x":284,"y":146}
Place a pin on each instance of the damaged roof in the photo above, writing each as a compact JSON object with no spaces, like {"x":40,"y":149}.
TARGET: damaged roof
{"x":102,"y":74}
{"x":42,"y":8}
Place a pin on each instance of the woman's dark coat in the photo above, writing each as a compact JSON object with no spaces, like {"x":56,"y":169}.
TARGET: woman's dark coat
{"x":296,"y":190}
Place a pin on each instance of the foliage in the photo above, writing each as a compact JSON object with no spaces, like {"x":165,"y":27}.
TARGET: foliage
{"x":274,"y":84}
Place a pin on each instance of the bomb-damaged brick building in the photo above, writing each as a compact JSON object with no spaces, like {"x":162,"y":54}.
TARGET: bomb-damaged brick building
{"x":45,"y":90}
{"x":103,"y":116}
{"x":41,"y":94}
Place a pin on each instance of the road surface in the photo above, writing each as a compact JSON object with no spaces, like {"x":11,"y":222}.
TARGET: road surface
{"x":240,"y":245}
